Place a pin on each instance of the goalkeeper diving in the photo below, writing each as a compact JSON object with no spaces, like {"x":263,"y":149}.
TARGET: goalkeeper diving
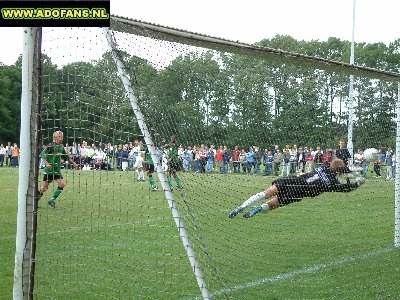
{"x":294,"y":188}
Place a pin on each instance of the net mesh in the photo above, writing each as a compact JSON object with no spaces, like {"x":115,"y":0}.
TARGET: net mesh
{"x":111,"y":236}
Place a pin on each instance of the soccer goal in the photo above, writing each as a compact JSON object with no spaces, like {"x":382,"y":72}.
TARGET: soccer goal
{"x":138,"y":89}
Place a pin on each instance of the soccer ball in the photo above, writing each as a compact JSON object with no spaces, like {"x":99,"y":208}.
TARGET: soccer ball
{"x":370,"y":154}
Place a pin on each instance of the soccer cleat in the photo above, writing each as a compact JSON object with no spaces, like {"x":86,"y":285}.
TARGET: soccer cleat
{"x":52,"y":203}
{"x":235,"y":212}
{"x":252,"y":212}
{"x":153,"y":189}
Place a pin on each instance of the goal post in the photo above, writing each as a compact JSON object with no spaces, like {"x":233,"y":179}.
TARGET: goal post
{"x":121,"y":229}
{"x":28,"y":167}
{"x":397,"y":184}
{"x":163,"y":180}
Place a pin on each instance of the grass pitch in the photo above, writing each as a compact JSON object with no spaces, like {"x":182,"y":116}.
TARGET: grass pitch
{"x":111,"y":238}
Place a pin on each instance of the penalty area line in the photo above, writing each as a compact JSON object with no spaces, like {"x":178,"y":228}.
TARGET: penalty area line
{"x":307,"y":270}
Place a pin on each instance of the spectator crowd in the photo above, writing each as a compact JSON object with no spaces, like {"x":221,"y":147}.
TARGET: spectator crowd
{"x":288,"y":161}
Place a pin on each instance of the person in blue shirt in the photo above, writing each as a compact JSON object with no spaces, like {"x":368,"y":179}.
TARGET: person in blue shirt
{"x":250,"y":159}
{"x":225,"y":160}
{"x":268,"y":159}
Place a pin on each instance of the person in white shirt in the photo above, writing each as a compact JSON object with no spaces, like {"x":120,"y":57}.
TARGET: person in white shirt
{"x":2,"y":154}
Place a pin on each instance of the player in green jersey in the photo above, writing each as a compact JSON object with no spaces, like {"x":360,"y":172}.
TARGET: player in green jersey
{"x":52,"y":157}
{"x":174,"y":164}
{"x":149,"y":166}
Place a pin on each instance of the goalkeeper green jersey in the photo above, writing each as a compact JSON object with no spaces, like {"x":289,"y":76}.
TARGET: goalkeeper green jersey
{"x":173,"y":155}
{"x":53,"y":154}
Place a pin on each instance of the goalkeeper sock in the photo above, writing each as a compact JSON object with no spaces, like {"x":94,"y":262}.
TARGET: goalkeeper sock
{"x":56,"y":193}
{"x":152,"y":181}
{"x":178,"y":182}
{"x":253,"y":199}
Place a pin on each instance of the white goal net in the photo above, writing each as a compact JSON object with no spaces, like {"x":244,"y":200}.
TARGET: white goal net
{"x":240,"y":117}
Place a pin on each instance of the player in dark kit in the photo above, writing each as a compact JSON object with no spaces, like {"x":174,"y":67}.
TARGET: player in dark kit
{"x":149,"y":166}
{"x":173,"y":164}
{"x":52,"y":157}
{"x":293,"y":189}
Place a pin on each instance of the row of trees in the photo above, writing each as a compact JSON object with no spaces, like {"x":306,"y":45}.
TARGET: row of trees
{"x":216,"y":97}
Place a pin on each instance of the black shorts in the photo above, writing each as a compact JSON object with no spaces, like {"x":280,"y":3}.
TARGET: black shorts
{"x":149,"y":168}
{"x":291,"y":189}
{"x":174,"y":166}
{"x":51,"y":177}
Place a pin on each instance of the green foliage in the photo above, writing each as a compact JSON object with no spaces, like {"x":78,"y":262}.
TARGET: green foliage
{"x":10,"y":87}
{"x":218,"y":98}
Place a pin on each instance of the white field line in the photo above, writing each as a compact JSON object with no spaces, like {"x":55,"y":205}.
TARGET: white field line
{"x":307,"y":270}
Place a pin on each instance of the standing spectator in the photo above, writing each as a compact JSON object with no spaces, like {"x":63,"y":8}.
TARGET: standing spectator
{"x":69,"y":151}
{"x":210,"y":160}
{"x":2,"y":154}
{"x":82,"y":153}
{"x":124,"y":160}
{"x":109,"y":154}
{"x":74,"y":152}
{"x":309,"y":167}
{"x":118,"y":156}
{"x":278,"y":158}
{"x":285,"y":162}
{"x":218,"y":158}
{"x":268,"y":160}
{"x":243,"y":160}
{"x":301,"y":160}
{"x":196,"y":158}
{"x":9,"y":151}
{"x":257,"y":160}
{"x":225,"y":160}
{"x":186,"y":160}
{"x":89,"y":157}
{"x":190,"y":152}
{"x":293,"y":160}
{"x":235,"y":159}
{"x":250,"y":159}
{"x":15,"y":156}
{"x":203,"y":158}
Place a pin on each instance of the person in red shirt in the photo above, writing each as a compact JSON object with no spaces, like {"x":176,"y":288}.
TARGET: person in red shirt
{"x":218,"y":158}
{"x":235,"y":159}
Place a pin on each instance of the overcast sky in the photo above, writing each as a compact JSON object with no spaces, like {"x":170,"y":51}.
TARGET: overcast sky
{"x":252,"y":20}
